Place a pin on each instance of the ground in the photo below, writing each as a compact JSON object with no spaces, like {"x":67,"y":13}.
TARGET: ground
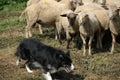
{"x":100,"y":66}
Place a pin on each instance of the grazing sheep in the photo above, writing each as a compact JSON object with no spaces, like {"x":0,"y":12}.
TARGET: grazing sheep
{"x":114,"y":24}
{"x":101,"y":14}
{"x":87,"y":25}
{"x":44,"y":12}
{"x":63,"y":23}
{"x":30,"y":2}
{"x":106,"y":22}
{"x":77,"y":3}
{"x":74,"y":28}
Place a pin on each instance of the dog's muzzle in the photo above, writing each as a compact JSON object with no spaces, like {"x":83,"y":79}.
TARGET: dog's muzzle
{"x":69,"y":68}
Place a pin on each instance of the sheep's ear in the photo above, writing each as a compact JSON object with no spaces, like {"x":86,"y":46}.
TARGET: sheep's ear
{"x":117,"y":10}
{"x":105,"y":7}
{"x":71,"y":0}
{"x":77,"y":12}
{"x":63,"y":15}
{"x":86,"y":16}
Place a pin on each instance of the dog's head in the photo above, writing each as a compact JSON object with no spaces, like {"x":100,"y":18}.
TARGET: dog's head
{"x":65,"y":62}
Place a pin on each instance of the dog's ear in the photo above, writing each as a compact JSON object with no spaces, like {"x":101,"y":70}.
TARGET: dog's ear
{"x":68,"y":53}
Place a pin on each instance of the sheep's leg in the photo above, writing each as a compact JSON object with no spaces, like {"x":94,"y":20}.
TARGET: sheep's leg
{"x":58,"y":31}
{"x":113,"y":43}
{"x":28,"y":29}
{"x":67,"y":34}
{"x":56,"y":35}
{"x":99,"y":41}
{"x":89,"y":44}
{"x":84,"y":44}
{"x":68,"y":42}
{"x":40,"y":29}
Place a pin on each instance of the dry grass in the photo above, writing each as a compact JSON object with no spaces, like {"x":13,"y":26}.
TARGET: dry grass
{"x":100,"y":66}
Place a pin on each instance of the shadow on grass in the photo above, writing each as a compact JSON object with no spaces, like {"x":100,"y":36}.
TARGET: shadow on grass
{"x":67,"y":76}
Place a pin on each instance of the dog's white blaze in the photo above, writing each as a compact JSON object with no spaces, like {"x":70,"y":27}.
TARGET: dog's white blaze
{"x":47,"y":76}
{"x":72,"y":67}
{"x":28,"y":69}
{"x":52,"y":69}
{"x":17,"y":62}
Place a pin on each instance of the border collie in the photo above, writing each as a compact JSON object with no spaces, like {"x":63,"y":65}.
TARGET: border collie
{"x":42,"y":56}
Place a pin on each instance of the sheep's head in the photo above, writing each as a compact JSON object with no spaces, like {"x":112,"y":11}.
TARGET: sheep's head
{"x":82,"y":18}
{"x":71,"y":17}
{"x":76,"y":3}
{"x":102,"y":2}
{"x":113,"y":12}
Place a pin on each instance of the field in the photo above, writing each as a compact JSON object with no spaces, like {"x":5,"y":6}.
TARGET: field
{"x":100,"y":66}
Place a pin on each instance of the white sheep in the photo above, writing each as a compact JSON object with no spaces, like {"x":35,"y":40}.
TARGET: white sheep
{"x":101,"y":14}
{"x":30,"y":2}
{"x":90,"y":7}
{"x":114,"y":24}
{"x":87,"y":24}
{"x":44,"y":12}
{"x":105,"y":18}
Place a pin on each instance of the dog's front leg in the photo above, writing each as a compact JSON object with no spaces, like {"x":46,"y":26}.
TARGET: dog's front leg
{"x":47,"y":76}
{"x":18,"y":61}
{"x":27,"y":67}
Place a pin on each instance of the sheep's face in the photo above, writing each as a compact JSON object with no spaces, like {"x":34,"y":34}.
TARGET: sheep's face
{"x":82,"y":19}
{"x":103,"y":2}
{"x":76,"y":3}
{"x":71,"y":17}
{"x":114,"y":14}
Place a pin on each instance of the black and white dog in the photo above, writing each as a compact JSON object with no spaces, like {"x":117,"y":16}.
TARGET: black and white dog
{"x":49,"y":59}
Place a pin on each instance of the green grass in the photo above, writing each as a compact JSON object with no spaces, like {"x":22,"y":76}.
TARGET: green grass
{"x":10,"y":22}
{"x":14,"y":7}
{"x":9,"y":15}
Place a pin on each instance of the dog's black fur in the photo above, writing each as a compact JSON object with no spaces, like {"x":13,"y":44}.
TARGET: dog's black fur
{"x":48,"y":57}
